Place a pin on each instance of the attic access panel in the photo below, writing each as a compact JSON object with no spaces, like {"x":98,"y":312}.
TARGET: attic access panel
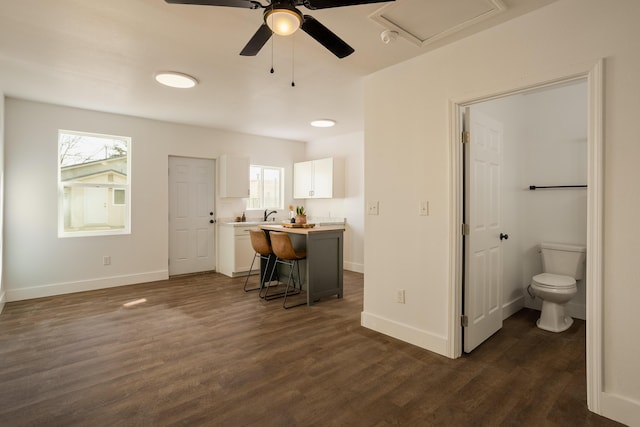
{"x":425,"y":21}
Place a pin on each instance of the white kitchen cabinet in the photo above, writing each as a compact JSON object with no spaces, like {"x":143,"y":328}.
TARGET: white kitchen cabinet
{"x":318,"y":179}
{"x":234,"y":176}
{"x":302,"y":180}
{"x":234,"y":249}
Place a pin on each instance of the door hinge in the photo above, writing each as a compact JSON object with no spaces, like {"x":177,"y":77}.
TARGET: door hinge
{"x":465,"y":229}
{"x":466,"y":137}
{"x":464,"y":321}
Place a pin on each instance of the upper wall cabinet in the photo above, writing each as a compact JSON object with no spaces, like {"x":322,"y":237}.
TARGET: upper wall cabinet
{"x":234,"y":176}
{"x":318,"y":179}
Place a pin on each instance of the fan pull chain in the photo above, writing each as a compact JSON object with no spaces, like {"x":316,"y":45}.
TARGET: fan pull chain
{"x":272,"y":37}
{"x":293,"y":61}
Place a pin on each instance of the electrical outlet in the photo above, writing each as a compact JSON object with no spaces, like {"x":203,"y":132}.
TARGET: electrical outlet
{"x":106,"y":260}
{"x":400,"y":296}
{"x":423,"y":210}
{"x":373,"y":208}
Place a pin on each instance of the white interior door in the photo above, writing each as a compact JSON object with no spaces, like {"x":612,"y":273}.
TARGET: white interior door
{"x":191,"y":215}
{"x":483,"y":254}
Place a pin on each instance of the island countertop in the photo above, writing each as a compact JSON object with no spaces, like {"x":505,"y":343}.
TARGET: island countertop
{"x":301,"y":230}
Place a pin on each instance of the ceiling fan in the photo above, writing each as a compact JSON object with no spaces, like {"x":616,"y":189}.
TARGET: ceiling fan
{"x":283,"y":18}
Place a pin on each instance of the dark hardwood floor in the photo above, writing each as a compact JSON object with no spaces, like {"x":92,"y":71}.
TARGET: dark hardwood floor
{"x":200,"y":351}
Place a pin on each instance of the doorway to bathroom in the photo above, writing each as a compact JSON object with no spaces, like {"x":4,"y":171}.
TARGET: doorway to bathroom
{"x":593,"y":75}
{"x":533,"y":139}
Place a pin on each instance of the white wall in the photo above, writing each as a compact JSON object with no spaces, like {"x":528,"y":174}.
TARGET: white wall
{"x":407,"y":133}
{"x":350,"y":149}
{"x":38,"y":263}
{"x":3,"y":296}
{"x":545,"y":143}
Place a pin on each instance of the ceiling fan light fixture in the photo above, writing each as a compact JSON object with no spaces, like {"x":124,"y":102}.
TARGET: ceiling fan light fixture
{"x":283,"y":22}
{"x":175,"y":79}
{"x":323,"y":123}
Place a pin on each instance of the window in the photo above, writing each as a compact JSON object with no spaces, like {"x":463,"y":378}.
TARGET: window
{"x":93,"y":184}
{"x":266,"y":187}
{"x":118,"y":197}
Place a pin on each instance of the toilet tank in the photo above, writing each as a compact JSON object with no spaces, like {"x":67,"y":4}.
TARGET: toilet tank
{"x":563,"y":258}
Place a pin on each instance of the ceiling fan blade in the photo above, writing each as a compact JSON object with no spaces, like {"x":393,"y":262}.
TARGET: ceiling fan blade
{"x":326,"y":37}
{"x":257,"y":41}
{"x":246,"y":4}
{"x":325,"y":4}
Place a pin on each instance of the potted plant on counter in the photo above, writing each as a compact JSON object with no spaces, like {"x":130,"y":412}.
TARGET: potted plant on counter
{"x":301,"y":215}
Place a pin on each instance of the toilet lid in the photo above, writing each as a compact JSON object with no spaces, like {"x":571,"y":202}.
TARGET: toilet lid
{"x":554,"y":280}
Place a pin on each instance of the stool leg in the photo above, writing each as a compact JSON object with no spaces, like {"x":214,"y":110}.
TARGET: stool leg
{"x":293,"y":264}
{"x":299,"y":277}
{"x":266,"y":268}
{"x":249,"y":274}
{"x":270,"y":277}
{"x":266,"y":295}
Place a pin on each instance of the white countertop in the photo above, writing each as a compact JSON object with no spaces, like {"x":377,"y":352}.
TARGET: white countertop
{"x":319,"y":221}
{"x":246,"y":223}
{"x":316,"y":229}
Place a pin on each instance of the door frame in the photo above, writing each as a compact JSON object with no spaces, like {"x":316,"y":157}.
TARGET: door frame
{"x":593,"y":73}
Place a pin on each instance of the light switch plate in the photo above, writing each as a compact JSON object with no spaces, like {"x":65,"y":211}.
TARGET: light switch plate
{"x":373,"y":208}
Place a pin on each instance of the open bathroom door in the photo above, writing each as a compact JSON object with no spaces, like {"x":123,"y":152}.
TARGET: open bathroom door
{"x":483,"y":255}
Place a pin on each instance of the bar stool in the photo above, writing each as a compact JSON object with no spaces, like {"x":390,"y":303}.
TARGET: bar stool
{"x":287,"y":255}
{"x":263,"y":250}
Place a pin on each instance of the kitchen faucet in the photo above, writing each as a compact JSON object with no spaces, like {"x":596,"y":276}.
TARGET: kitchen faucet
{"x":266,"y":215}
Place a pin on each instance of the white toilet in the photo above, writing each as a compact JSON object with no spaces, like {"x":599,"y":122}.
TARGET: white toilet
{"x":563,"y":264}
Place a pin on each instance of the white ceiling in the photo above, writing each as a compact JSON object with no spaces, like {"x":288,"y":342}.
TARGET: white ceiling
{"x":102,"y":55}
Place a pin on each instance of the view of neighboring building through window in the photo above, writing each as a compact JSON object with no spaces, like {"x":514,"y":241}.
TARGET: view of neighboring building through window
{"x":266,"y":187}
{"x":93,"y":184}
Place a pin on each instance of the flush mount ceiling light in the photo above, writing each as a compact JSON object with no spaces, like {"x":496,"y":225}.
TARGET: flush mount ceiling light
{"x":175,"y":79}
{"x":283,"y":21}
{"x":323,"y":123}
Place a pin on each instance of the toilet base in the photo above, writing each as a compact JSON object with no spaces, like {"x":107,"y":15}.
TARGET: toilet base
{"x":553,"y":317}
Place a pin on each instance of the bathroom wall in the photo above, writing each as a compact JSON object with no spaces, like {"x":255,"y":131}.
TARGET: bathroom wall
{"x":545,"y":143}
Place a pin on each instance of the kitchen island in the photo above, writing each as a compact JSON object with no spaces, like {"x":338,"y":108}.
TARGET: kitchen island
{"x":323,"y":269}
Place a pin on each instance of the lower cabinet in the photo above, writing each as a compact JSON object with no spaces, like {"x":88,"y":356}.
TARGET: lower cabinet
{"x":235,"y":252}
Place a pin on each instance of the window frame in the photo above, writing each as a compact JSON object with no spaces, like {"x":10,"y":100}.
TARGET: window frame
{"x":63,"y":185}
{"x":262,"y":207}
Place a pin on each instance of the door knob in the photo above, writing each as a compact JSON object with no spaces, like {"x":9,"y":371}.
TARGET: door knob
{"x":211,"y":221}
{"x":504,"y":236}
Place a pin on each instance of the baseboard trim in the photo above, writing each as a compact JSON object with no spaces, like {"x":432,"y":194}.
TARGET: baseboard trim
{"x":428,"y":341}
{"x":577,"y":311}
{"x":620,"y":409}
{"x":512,"y":307}
{"x":84,"y":285}
{"x":356,"y":267}
{"x":3,"y":300}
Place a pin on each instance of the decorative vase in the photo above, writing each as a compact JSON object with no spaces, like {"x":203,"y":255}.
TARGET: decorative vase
{"x":301,"y":219}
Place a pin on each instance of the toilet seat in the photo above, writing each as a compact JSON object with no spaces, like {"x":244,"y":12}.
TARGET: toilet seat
{"x":553,"y":281}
